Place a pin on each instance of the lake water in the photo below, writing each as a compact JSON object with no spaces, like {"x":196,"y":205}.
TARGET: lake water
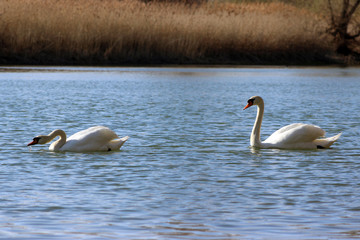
{"x":187,"y":171}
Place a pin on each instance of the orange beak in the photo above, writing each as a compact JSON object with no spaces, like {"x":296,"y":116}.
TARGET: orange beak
{"x":35,"y":141}
{"x":248,"y":105}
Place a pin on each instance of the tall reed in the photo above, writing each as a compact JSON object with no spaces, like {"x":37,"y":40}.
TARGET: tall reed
{"x":134,"y":32}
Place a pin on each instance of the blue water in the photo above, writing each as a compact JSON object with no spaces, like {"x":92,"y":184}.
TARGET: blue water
{"x":187,"y":171}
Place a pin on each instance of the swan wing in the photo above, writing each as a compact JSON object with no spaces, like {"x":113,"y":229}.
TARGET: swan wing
{"x":92,"y":139}
{"x":295,"y":133}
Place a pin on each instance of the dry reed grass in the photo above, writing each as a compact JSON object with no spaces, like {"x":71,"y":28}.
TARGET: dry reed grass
{"x":133,"y":32}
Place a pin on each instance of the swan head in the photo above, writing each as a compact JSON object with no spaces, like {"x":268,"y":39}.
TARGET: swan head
{"x":255,"y":100}
{"x":41,"y":139}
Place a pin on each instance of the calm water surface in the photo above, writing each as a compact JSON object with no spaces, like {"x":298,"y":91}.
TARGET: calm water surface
{"x":187,"y":171}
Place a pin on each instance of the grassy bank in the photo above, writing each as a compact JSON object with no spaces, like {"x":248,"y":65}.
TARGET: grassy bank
{"x":110,"y":32}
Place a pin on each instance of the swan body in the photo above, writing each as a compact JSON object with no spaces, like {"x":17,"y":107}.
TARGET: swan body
{"x":293,"y":136}
{"x":93,"y":139}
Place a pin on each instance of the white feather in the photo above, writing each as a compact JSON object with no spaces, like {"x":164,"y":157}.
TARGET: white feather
{"x":293,"y":136}
{"x":96,"y":138}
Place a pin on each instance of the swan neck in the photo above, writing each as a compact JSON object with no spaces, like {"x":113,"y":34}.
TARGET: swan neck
{"x":255,"y":134}
{"x":59,"y":143}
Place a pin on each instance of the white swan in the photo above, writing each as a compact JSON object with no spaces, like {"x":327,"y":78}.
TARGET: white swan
{"x":93,"y":139}
{"x":293,"y":136}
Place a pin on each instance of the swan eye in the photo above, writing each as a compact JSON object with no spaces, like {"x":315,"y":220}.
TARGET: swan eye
{"x":251,"y":101}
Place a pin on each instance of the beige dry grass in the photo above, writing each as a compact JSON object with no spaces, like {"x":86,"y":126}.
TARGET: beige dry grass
{"x":133,"y":32}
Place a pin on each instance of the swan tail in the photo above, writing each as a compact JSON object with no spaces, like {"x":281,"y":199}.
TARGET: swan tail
{"x":116,"y":144}
{"x":327,"y":142}
{"x":124,"y":139}
{"x":121,"y":141}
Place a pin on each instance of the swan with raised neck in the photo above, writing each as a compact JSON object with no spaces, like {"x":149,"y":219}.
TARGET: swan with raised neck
{"x":293,"y":136}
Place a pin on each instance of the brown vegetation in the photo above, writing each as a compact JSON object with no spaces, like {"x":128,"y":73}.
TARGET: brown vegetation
{"x":112,"y":32}
{"x":344,"y":26}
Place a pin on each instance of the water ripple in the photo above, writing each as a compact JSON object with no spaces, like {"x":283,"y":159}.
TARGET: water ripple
{"x":187,"y":171}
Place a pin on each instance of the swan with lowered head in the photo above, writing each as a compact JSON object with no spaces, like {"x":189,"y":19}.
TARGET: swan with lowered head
{"x":93,"y":139}
{"x":293,"y":136}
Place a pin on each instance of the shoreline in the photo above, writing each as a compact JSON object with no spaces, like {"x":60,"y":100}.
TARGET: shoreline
{"x":50,"y":61}
{"x":162,"y":67}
